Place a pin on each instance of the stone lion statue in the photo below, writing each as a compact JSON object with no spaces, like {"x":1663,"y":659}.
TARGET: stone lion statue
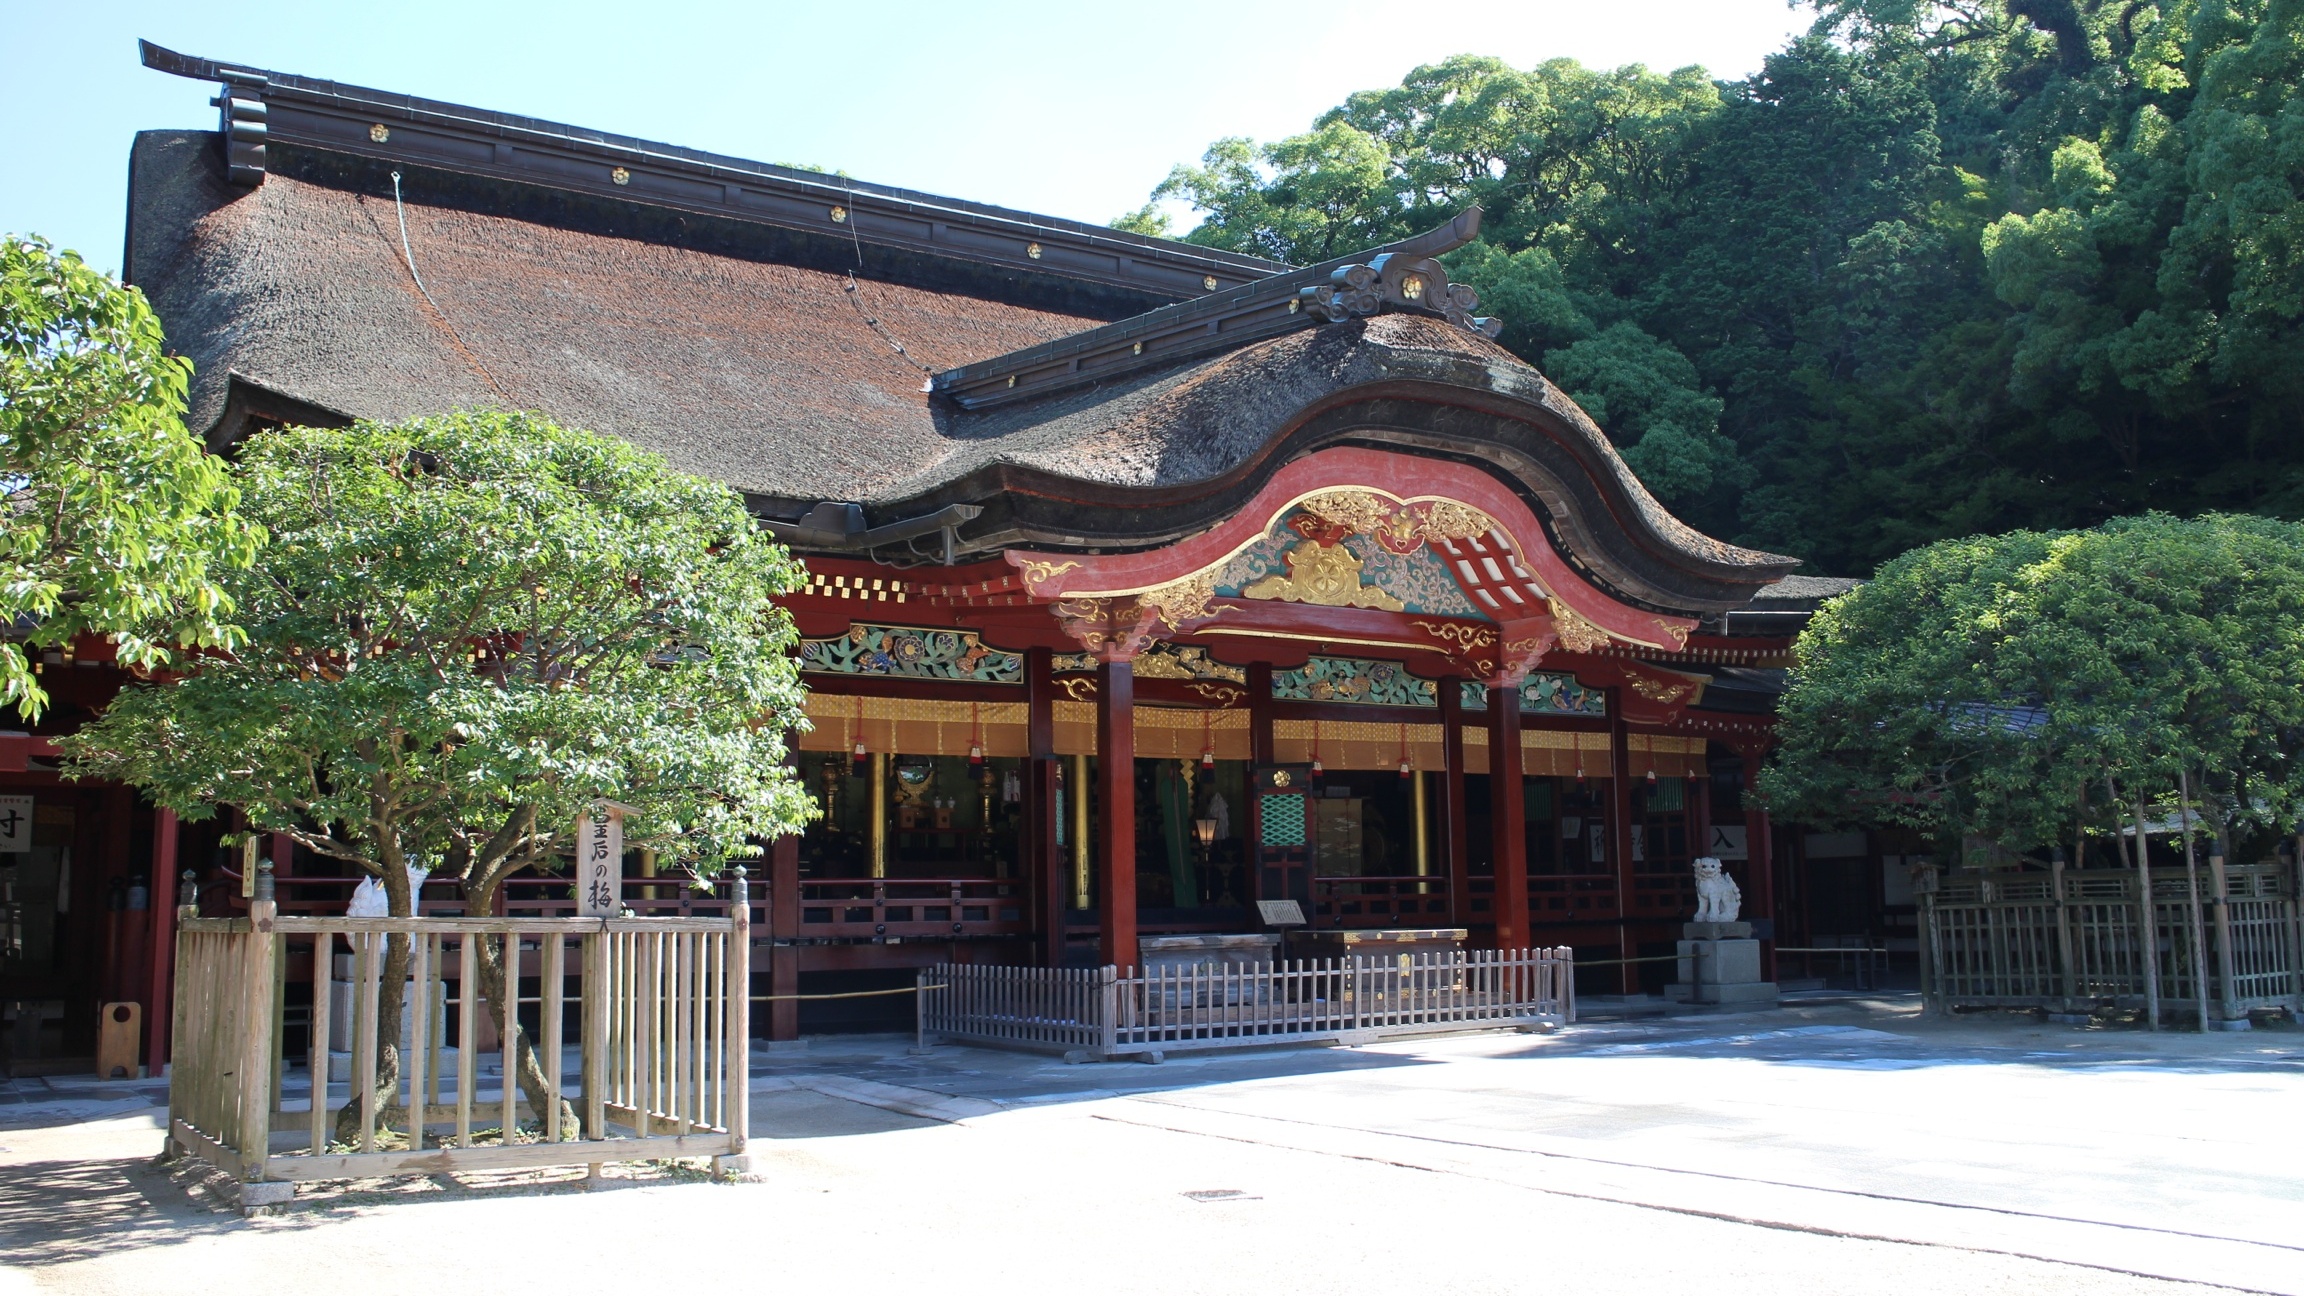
{"x":1717,"y":898}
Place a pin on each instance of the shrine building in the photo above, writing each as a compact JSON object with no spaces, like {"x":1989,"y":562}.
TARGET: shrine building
{"x":1146,"y":581}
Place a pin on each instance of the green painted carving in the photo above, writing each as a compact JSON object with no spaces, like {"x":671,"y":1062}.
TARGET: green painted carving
{"x":1354,"y":679}
{"x":908,"y":653}
{"x":1418,"y":580}
{"x":1554,"y":694}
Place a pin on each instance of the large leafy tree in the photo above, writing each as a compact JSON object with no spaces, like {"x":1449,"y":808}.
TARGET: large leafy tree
{"x":117,"y":523}
{"x":2023,"y":687}
{"x":466,"y":631}
{"x":1938,"y":268}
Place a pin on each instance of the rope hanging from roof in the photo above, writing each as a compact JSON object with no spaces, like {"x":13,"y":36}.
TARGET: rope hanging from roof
{"x":408,"y":258}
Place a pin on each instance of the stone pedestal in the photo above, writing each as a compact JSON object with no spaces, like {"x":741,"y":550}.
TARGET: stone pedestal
{"x":1719,"y":964}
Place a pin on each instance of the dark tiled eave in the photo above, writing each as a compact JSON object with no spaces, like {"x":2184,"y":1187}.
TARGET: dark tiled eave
{"x":427,"y":133}
{"x":1220,"y":321}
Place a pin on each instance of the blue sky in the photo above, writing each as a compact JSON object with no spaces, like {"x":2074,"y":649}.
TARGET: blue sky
{"x":1074,"y":110}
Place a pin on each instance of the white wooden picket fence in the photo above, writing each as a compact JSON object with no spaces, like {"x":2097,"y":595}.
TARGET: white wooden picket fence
{"x":1104,"y":1013}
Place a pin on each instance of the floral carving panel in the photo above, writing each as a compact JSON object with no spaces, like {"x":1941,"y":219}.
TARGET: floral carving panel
{"x":1546,"y":691}
{"x":1354,"y":679}
{"x":908,"y":653}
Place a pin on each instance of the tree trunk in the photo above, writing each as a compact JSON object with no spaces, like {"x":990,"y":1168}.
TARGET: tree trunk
{"x":390,"y":1112}
{"x":494,"y":984}
{"x":2192,"y":893}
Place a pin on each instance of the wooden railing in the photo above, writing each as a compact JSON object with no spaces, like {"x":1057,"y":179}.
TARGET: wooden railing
{"x":1403,"y":900}
{"x":912,"y":907}
{"x":1100,"y":1013}
{"x":659,"y":1020}
{"x":2018,"y":940}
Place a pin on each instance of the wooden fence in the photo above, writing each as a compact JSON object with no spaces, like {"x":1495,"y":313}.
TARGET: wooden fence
{"x":1102,"y":1013}
{"x":2075,"y":939}
{"x":659,"y":1018}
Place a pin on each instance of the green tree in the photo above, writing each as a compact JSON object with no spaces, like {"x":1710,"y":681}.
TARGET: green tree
{"x":118,"y":524}
{"x":465,"y":632}
{"x":1942,"y":268}
{"x":2018,"y":686}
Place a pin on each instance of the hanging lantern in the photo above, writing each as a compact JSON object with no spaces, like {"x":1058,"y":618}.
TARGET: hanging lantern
{"x":1207,"y":743}
{"x":860,"y":761}
{"x":1317,"y":768}
{"x":1404,"y":770}
{"x":1651,"y":777}
{"x":975,"y":739}
{"x":976,"y":759}
{"x":1579,"y":773}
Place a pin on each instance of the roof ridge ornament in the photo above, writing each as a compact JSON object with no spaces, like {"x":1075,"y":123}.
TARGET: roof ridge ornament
{"x":1392,"y":281}
{"x":1399,"y":276}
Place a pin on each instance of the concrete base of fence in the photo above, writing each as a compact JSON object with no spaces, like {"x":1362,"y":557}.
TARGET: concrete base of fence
{"x":2232,"y":1024}
{"x":256,"y":1198}
{"x":743,"y":1167}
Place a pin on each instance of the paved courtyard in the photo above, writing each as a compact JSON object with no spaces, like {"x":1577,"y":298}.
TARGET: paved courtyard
{"x":1827,"y":1147}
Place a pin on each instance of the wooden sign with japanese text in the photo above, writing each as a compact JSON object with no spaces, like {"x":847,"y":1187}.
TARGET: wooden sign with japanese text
{"x":600,"y":863}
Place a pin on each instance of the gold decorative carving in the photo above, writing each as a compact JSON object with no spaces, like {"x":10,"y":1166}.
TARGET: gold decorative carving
{"x":1679,"y":633}
{"x":1576,"y":633}
{"x":1325,"y":576}
{"x":1185,"y":662}
{"x":1449,"y":520}
{"x":1463,"y":635}
{"x":1356,"y":511}
{"x":1079,"y":689}
{"x":1220,"y":694}
{"x":1656,"y":690}
{"x":1039,"y":571}
{"x":1184,"y":600}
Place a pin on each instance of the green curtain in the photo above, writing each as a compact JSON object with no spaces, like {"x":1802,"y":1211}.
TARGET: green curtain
{"x":1175,"y":831}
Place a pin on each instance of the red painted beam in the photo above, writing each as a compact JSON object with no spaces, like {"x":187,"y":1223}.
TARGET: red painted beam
{"x":1508,"y":826}
{"x":1456,"y":851}
{"x":1116,"y":785}
{"x":159,"y":1002}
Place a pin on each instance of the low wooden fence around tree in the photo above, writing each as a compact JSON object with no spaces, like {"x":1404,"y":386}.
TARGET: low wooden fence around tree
{"x":2074,"y":939}
{"x":655,"y":1011}
{"x":1102,"y":1013}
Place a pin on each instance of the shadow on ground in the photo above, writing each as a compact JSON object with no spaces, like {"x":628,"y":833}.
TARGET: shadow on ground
{"x":56,"y":1212}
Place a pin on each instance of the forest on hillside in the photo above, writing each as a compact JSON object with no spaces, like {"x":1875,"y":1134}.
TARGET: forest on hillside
{"x":1937,"y":269}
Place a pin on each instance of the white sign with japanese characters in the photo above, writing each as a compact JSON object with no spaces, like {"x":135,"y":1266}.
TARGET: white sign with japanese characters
{"x":1727,"y":843}
{"x":15,"y":823}
{"x":600,"y":863}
